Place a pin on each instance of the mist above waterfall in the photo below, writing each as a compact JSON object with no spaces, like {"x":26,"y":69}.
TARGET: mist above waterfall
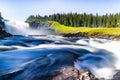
{"x":22,"y":28}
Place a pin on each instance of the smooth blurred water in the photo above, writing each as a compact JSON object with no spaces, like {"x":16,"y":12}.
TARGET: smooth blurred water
{"x":19,"y":53}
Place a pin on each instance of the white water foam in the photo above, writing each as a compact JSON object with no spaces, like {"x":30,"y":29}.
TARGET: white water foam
{"x":105,"y":71}
{"x":20,"y":28}
{"x":102,"y":63}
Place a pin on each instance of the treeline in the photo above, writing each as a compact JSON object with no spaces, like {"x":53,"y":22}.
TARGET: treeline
{"x":80,"y":20}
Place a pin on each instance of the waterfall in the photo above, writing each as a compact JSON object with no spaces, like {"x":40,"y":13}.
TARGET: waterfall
{"x":20,"y":28}
{"x":100,"y":56}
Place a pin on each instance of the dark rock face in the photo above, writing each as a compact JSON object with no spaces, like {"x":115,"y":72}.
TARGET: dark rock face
{"x":43,"y":27}
{"x":36,"y":25}
{"x":116,"y":76}
{"x":4,"y":34}
{"x":76,"y":35}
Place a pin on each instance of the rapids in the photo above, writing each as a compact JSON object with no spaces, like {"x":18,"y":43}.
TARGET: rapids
{"x":101,"y":57}
{"x":32,"y":56}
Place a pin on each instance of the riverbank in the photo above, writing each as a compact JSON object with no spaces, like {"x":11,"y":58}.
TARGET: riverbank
{"x":95,"y":35}
{"x":3,"y":33}
{"x":104,"y":33}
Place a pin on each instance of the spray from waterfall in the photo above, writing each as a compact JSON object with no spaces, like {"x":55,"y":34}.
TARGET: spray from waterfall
{"x":21,"y":28}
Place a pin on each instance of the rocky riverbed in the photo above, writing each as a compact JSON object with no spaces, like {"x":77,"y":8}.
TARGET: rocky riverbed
{"x":95,"y":35}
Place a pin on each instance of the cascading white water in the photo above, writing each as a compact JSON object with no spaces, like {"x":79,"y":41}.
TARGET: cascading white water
{"x":109,"y":67}
{"x":20,"y":28}
{"x":100,"y":56}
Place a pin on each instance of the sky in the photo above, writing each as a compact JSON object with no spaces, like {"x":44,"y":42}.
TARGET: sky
{"x":21,"y":9}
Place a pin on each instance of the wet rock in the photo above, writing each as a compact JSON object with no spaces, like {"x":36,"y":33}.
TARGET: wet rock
{"x":116,"y":76}
{"x":76,"y":35}
{"x":4,"y":34}
{"x":71,"y":73}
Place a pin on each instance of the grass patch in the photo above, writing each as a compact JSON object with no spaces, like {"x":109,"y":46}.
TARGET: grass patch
{"x":61,"y":29}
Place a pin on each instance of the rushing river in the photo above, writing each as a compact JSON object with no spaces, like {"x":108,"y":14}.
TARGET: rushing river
{"x":32,"y":56}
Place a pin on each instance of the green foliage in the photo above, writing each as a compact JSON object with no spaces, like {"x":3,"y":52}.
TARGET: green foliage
{"x":80,"y":20}
{"x":37,"y":19}
{"x":31,"y":18}
{"x":61,"y":29}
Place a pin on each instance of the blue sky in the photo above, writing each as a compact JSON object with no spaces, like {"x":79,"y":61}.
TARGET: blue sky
{"x":21,"y":9}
